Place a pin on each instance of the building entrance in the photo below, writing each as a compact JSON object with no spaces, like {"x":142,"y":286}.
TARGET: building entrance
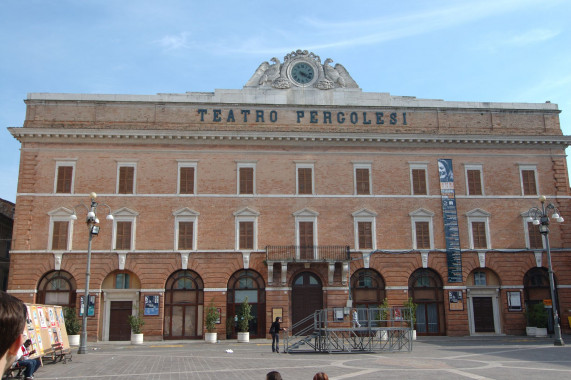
{"x":119,"y":328}
{"x":483,"y":314}
{"x":306,"y":297}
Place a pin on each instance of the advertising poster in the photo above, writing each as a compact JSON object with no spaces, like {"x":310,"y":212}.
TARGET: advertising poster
{"x":451,"y":231}
{"x":455,"y":300}
{"x":152,"y":305}
{"x":90,"y":309}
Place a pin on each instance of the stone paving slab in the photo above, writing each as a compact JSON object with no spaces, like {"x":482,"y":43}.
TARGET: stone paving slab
{"x":440,"y":358}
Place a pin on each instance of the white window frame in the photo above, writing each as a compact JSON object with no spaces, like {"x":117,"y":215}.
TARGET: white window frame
{"x":474,"y":167}
{"x":186,"y":164}
{"x":186,"y":215}
{"x":422,"y":215}
{"x":306,"y":215}
{"x":61,"y":214}
{"x":528,"y":167}
{"x":121,"y":164}
{"x":419,"y":165}
{"x":479,"y":215}
{"x":245,"y":215}
{"x":367,"y":216}
{"x":124,"y":215}
{"x":71,"y":163}
{"x":245,"y":164}
{"x":304,"y":165}
{"x":362,"y":165}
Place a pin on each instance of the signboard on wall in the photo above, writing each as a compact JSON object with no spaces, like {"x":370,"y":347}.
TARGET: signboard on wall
{"x":450,"y":215}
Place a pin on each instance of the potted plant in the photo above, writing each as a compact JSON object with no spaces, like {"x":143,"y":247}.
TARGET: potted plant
{"x":536,"y":320}
{"x":409,"y":314}
{"x":72,"y":325}
{"x":136,"y":323}
{"x":244,"y":318}
{"x":383,"y":316}
{"x":212,"y":316}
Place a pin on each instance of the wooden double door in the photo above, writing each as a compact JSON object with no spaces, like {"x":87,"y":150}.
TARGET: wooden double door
{"x":307,"y":296}
{"x":119,"y":328}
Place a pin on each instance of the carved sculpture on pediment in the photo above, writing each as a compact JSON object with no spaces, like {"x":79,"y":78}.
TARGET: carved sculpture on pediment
{"x":300,"y":69}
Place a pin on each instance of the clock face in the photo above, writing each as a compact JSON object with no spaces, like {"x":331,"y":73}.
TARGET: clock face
{"x":302,"y":73}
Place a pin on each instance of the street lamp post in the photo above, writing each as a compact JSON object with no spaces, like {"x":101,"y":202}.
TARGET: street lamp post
{"x":540,"y":217}
{"x":93,"y":228}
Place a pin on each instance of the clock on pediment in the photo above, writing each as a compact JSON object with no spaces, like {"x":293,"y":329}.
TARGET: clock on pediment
{"x":301,"y":68}
{"x":302,"y":73}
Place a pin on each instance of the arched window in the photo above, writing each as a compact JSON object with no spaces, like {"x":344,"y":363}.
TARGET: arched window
{"x":368,"y":288}
{"x":184,"y":302}
{"x":250,"y":284}
{"x":57,"y":288}
{"x":425,"y":288}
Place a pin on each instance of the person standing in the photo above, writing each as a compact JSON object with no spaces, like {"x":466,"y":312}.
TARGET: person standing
{"x":355,"y":315}
{"x":275,"y":332}
{"x":13,"y":315}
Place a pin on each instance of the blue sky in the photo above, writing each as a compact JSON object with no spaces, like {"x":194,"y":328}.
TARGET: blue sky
{"x":496,"y":51}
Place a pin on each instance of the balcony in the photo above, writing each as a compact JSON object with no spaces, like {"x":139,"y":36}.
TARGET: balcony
{"x":307,"y":254}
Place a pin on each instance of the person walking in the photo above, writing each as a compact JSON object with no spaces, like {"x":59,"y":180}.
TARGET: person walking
{"x":275,"y":332}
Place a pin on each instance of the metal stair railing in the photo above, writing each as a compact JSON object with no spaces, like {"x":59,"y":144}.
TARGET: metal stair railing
{"x":382,"y":329}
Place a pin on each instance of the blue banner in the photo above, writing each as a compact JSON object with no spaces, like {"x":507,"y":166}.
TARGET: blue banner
{"x":450,"y":215}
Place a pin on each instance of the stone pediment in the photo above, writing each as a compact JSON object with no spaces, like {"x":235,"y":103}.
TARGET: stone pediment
{"x":301,"y":69}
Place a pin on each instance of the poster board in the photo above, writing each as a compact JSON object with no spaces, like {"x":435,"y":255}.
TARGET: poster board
{"x":46,"y":327}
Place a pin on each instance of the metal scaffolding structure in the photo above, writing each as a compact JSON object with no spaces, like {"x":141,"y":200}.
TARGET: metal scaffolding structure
{"x":333,"y":330}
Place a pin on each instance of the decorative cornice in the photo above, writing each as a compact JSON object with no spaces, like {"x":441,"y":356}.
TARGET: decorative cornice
{"x":249,"y":137}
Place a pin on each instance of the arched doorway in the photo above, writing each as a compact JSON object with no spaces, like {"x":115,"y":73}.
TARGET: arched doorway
{"x":368,"y":291}
{"x":425,"y":288}
{"x":306,"y":297}
{"x":184,"y":303}
{"x":483,"y":301}
{"x":248,"y":284}
{"x":536,"y":289}
{"x":120,"y":300}
{"x":57,"y":288}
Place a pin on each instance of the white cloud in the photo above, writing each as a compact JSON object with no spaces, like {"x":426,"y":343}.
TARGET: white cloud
{"x":175,"y":42}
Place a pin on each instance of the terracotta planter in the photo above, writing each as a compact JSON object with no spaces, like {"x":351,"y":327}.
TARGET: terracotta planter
{"x":73,"y":340}
{"x":136,"y":338}
{"x":211,"y":337}
{"x":243,"y":337}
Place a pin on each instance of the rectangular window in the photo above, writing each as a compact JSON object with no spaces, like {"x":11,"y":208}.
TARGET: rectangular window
{"x":419,"y":181}
{"x":246,"y":235}
{"x":422,"y":235}
{"x":480,"y":278}
{"x":246,"y":180}
{"x":365,"y":235}
{"x":535,"y":238}
{"x":528,"y":182}
{"x":126,"y":179}
{"x":474,"y":182}
{"x":186,"y":185}
{"x":185,"y":235}
{"x":479,"y":235}
{"x":362,"y":181}
{"x":304,"y":181}
{"x":64,"y":179}
{"x":122,"y":281}
{"x":59,"y":236}
{"x":123,"y":236}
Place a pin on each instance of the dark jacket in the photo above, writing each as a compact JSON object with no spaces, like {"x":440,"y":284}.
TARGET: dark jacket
{"x":276,"y":327}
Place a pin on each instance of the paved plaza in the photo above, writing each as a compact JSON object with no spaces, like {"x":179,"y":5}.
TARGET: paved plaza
{"x":507,"y":357}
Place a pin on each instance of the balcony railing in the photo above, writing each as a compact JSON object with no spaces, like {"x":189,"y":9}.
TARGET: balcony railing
{"x":297,"y":253}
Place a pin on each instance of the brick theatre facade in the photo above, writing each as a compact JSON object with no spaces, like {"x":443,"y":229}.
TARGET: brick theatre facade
{"x":298,"y":191}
